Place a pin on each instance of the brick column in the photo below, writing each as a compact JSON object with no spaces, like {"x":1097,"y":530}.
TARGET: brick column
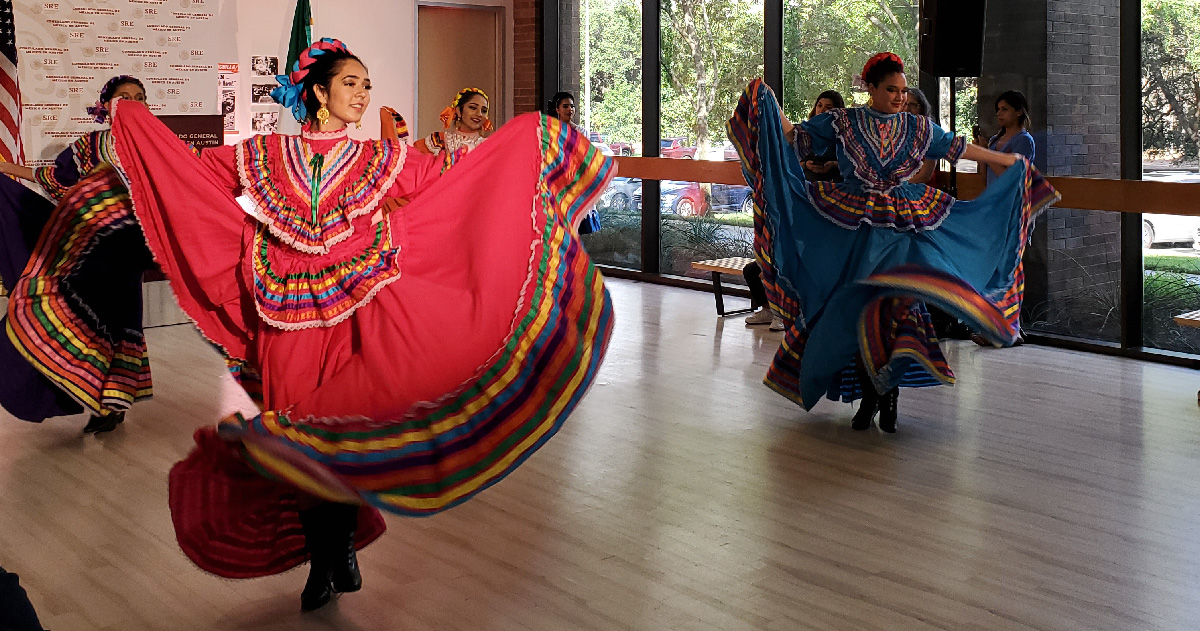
{"x":570,"y":32}
{"x":527,"y":60}
{"x":1064,"y":55}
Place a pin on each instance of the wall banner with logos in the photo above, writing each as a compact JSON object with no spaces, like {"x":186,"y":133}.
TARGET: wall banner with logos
{"x":68,"y":49}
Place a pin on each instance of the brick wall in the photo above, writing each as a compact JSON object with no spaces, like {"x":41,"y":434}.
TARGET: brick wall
{"x":1014,"y":58}
{"x":1083,"y":75}
{"x":1083,"y":139}
{"x":528,"y":72}
{"x":1064,"y":55}
{"x":571,"y":56}
{"x":527,"y":61}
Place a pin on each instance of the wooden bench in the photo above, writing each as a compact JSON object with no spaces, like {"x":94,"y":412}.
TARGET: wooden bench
{"x":732,"y":265}
{"x":1192,"y":319}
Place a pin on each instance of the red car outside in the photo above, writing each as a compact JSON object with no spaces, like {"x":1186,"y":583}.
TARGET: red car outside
{"x":676,"y":148}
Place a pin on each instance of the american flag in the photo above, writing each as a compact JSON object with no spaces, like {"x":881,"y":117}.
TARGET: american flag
{"x":10,"y":97}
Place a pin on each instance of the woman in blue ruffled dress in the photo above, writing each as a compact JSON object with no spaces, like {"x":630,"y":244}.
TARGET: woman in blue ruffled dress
{"x":849,"y":266}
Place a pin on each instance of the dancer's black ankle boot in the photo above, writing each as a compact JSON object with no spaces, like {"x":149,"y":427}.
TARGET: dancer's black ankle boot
{"x":343,"y":560}
{"x":888,"y":404}
{"x":102,"y":424}
{"x":866,"y":409}
{"x":318,"y":589}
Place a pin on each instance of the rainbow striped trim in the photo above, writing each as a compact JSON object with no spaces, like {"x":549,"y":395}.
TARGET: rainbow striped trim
{"x":93,"y":149}
{"x":895,"y":334}
{"x":321,"y":297}
{"x":53,"y":328}
{"x":45,"y":177}
{"x":276,"y":176}
{"x":849,"y":208}
{"x":89,"y":151}
{"x":743,"y":133}
{"x":885,"y":150}
{"x":1039,"y":195}
{"x":442,"y":453}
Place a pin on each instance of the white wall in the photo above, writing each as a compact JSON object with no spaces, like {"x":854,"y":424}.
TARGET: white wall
{"x":381,"y":32}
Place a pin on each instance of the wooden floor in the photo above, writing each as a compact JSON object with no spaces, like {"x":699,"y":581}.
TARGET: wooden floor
{"x":1048,"y":490}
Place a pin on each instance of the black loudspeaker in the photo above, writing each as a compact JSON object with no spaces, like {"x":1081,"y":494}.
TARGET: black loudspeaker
{"x":952,"y":37}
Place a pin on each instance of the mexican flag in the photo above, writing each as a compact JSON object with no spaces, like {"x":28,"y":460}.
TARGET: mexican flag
{"x":301,"y":33}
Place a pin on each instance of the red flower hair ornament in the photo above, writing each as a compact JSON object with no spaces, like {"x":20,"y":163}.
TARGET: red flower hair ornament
{"x":880,"y":57}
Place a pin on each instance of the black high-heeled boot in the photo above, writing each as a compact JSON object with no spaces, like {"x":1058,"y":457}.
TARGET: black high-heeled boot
{"x":866,"y":409}
{"x":888,"y":410}
{"x":102,"y":424}
{"x":318,"y":590}
{"x":343,"y":559}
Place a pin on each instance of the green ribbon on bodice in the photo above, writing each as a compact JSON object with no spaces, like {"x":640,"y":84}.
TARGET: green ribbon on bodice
{"x":318,"y":171}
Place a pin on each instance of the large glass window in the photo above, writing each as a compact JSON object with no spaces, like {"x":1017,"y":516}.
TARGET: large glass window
{"x":603,"y":70}
{"x":1062,"y":55}
{"x":826,"y":43}
{"x":711,"y":49}
{"x":1171,"y":153}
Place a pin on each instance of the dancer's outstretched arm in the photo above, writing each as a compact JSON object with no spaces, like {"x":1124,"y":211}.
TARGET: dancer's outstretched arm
{"x":16,"y":170}
{"x":987,"y":156}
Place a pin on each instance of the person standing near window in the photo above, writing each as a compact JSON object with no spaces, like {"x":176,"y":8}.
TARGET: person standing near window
{"x":823,"y":168}
{"x":1012,"y":114}
{"x":562,"y":107}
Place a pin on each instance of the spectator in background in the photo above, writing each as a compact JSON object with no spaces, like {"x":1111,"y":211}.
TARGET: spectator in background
{"x":824,"y":168}
{"x":562,"y":107}
{"x":919,"y":105}
{"x":758,"y":299}
{"x":1012,"y":114}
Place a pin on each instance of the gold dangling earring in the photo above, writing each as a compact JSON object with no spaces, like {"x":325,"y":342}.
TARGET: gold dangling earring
{"x":323,"y":115}
{"x":358,"y":124}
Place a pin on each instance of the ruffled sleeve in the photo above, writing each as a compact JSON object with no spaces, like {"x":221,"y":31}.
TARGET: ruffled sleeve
{"x":191,"y":222}
{"x":420,"y":170}
{"x":58,"y":178}
{"x":944,"y":144}
{"x":431,"y":144}
{"x":815,"y":136}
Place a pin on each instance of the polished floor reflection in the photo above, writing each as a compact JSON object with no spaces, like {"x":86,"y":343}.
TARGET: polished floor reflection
{"x":1047,"y":490}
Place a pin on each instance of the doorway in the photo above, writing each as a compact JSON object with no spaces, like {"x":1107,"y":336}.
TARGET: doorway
{"x":458,"y":46}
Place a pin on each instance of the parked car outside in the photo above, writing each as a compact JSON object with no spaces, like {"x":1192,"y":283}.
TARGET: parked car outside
{"x":614,"y":148}
{"x":732,"y":198}
{"x":1168,"y":229}
{"x":620,"y":148}
{"x":600,"y":143}
{"x":618,"y":197}
{"x":685,"y":199}
{"x":724,"y":151}
{"x":676,"y":148}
